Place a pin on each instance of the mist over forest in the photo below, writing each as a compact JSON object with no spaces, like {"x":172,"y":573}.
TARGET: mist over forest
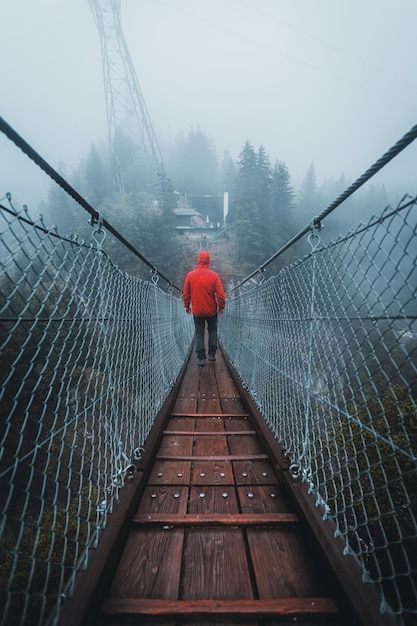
{"x":277,"y":107}
{"x":265,"y":209}
{"x":282,"y":89}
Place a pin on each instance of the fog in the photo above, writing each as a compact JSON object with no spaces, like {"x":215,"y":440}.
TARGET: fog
{"x":313,"y":81}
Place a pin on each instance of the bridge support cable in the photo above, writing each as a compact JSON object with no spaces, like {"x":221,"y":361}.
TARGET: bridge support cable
{"x":405,"y":141}
{"x":95,"y":216}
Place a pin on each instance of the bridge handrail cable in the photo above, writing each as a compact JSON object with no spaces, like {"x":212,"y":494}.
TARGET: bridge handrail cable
{"x":95,"y":215}
{"x":327,"y":348}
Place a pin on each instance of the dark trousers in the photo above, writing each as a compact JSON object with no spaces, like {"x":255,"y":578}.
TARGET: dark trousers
{"x":200,"y":327}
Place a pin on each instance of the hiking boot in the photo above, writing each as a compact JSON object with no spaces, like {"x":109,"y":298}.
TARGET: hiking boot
{"x":211,"y":357}
{"x":201,"y":362}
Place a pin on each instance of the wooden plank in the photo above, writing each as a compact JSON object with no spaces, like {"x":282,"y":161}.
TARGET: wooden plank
{"x":208,"y":405}
{"x":190,"y":382}
{"x":124,"y":620}
{"x":179,"y":425}
{"x":261,"y":499}
{"x":244,"y":444}
{"x":254,"y":473}
{"x":263,"y":609}
{"x":237,"y":423}
{"x":281,"y":564}
{"x":215,"y":622}
{"x":208,"y":384}
{"x":203,"y":433}
{"x":212,"y":473}
{"x":214,"y":445}
{"x":164,"y":499}
{"x":216,"y":519}
{"x":219,"y":414}
{"x":328,"y":619}
{"x":232,"y":405}
{"x":225,"y":383}
{"x":222,"y":457}
{"x":208,"y":398}
{"x":185,"y":405}
{"x":174,"y":445}
{"x":210,"y":423}
{"x":170,"y":473}
{"x":142,"y":571}
{"x":215,"y":565}
{"x":209,"y":499}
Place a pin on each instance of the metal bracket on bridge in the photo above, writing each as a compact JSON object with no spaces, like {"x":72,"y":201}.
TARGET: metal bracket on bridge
{"x":261,"y":275}
{"x":155,"y":276}
{"x":314,"y":237}
{"x":97,"y":222}
{"x":138,"y":453}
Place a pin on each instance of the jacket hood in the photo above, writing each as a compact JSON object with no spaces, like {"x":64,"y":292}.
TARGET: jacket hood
{"x":203,"y":259}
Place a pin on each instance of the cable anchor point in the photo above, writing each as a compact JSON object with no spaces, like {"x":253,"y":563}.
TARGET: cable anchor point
{"x":314,"y":237}
{"x":97,"y":222}
{"x":261,"y":275}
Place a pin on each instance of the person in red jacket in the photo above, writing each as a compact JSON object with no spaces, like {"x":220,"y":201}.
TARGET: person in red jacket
{"x":204,"y":296}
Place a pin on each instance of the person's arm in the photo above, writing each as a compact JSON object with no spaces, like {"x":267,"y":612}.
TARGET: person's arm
{"x":220,"y":295}
{"x":186,"y":295}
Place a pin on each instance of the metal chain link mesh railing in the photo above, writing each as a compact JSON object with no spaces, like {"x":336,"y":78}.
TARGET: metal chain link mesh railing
{"x":328,"y":350}
{"x":88,"y":354}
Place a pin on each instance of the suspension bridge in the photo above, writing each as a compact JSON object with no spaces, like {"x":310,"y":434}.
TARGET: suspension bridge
{"x":277,"y":485}
{"x":274,"y":486}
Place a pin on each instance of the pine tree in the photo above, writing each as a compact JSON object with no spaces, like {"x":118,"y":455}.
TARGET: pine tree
{"x":283,"y":225}
{"x":227,"y":172}
{"x":309,"y":197}
{"x":166,"y":197}
{"x":194,"y":164}
{"x":263,"y":182}
{"x":248,"y":219}
{"x":96,"y":179}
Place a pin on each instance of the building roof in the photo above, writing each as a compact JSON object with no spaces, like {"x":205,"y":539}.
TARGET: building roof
{"x":186,"y":211}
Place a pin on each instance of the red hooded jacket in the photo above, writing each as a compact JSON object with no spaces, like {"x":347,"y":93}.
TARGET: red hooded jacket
{"x":203,"y":289}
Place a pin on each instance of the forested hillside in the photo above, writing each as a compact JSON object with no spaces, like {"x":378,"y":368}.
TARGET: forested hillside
{"x":265,"y":210}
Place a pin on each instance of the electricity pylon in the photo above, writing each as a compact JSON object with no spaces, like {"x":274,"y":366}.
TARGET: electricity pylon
{"x":136,"y":155}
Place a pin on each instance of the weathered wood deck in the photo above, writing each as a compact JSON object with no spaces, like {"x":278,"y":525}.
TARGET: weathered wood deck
{"x":217,"y":533}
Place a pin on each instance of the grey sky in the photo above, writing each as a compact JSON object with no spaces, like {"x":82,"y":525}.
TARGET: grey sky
{"x":312,"y":80}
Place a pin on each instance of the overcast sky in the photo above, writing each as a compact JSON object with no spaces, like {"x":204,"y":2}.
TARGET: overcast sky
{"x":326,"y":81}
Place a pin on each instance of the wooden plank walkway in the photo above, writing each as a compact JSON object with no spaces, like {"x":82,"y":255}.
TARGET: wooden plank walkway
{"x":215,"y":535}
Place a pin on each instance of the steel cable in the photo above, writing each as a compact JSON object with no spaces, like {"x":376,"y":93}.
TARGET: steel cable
{"x":96,"y":218}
